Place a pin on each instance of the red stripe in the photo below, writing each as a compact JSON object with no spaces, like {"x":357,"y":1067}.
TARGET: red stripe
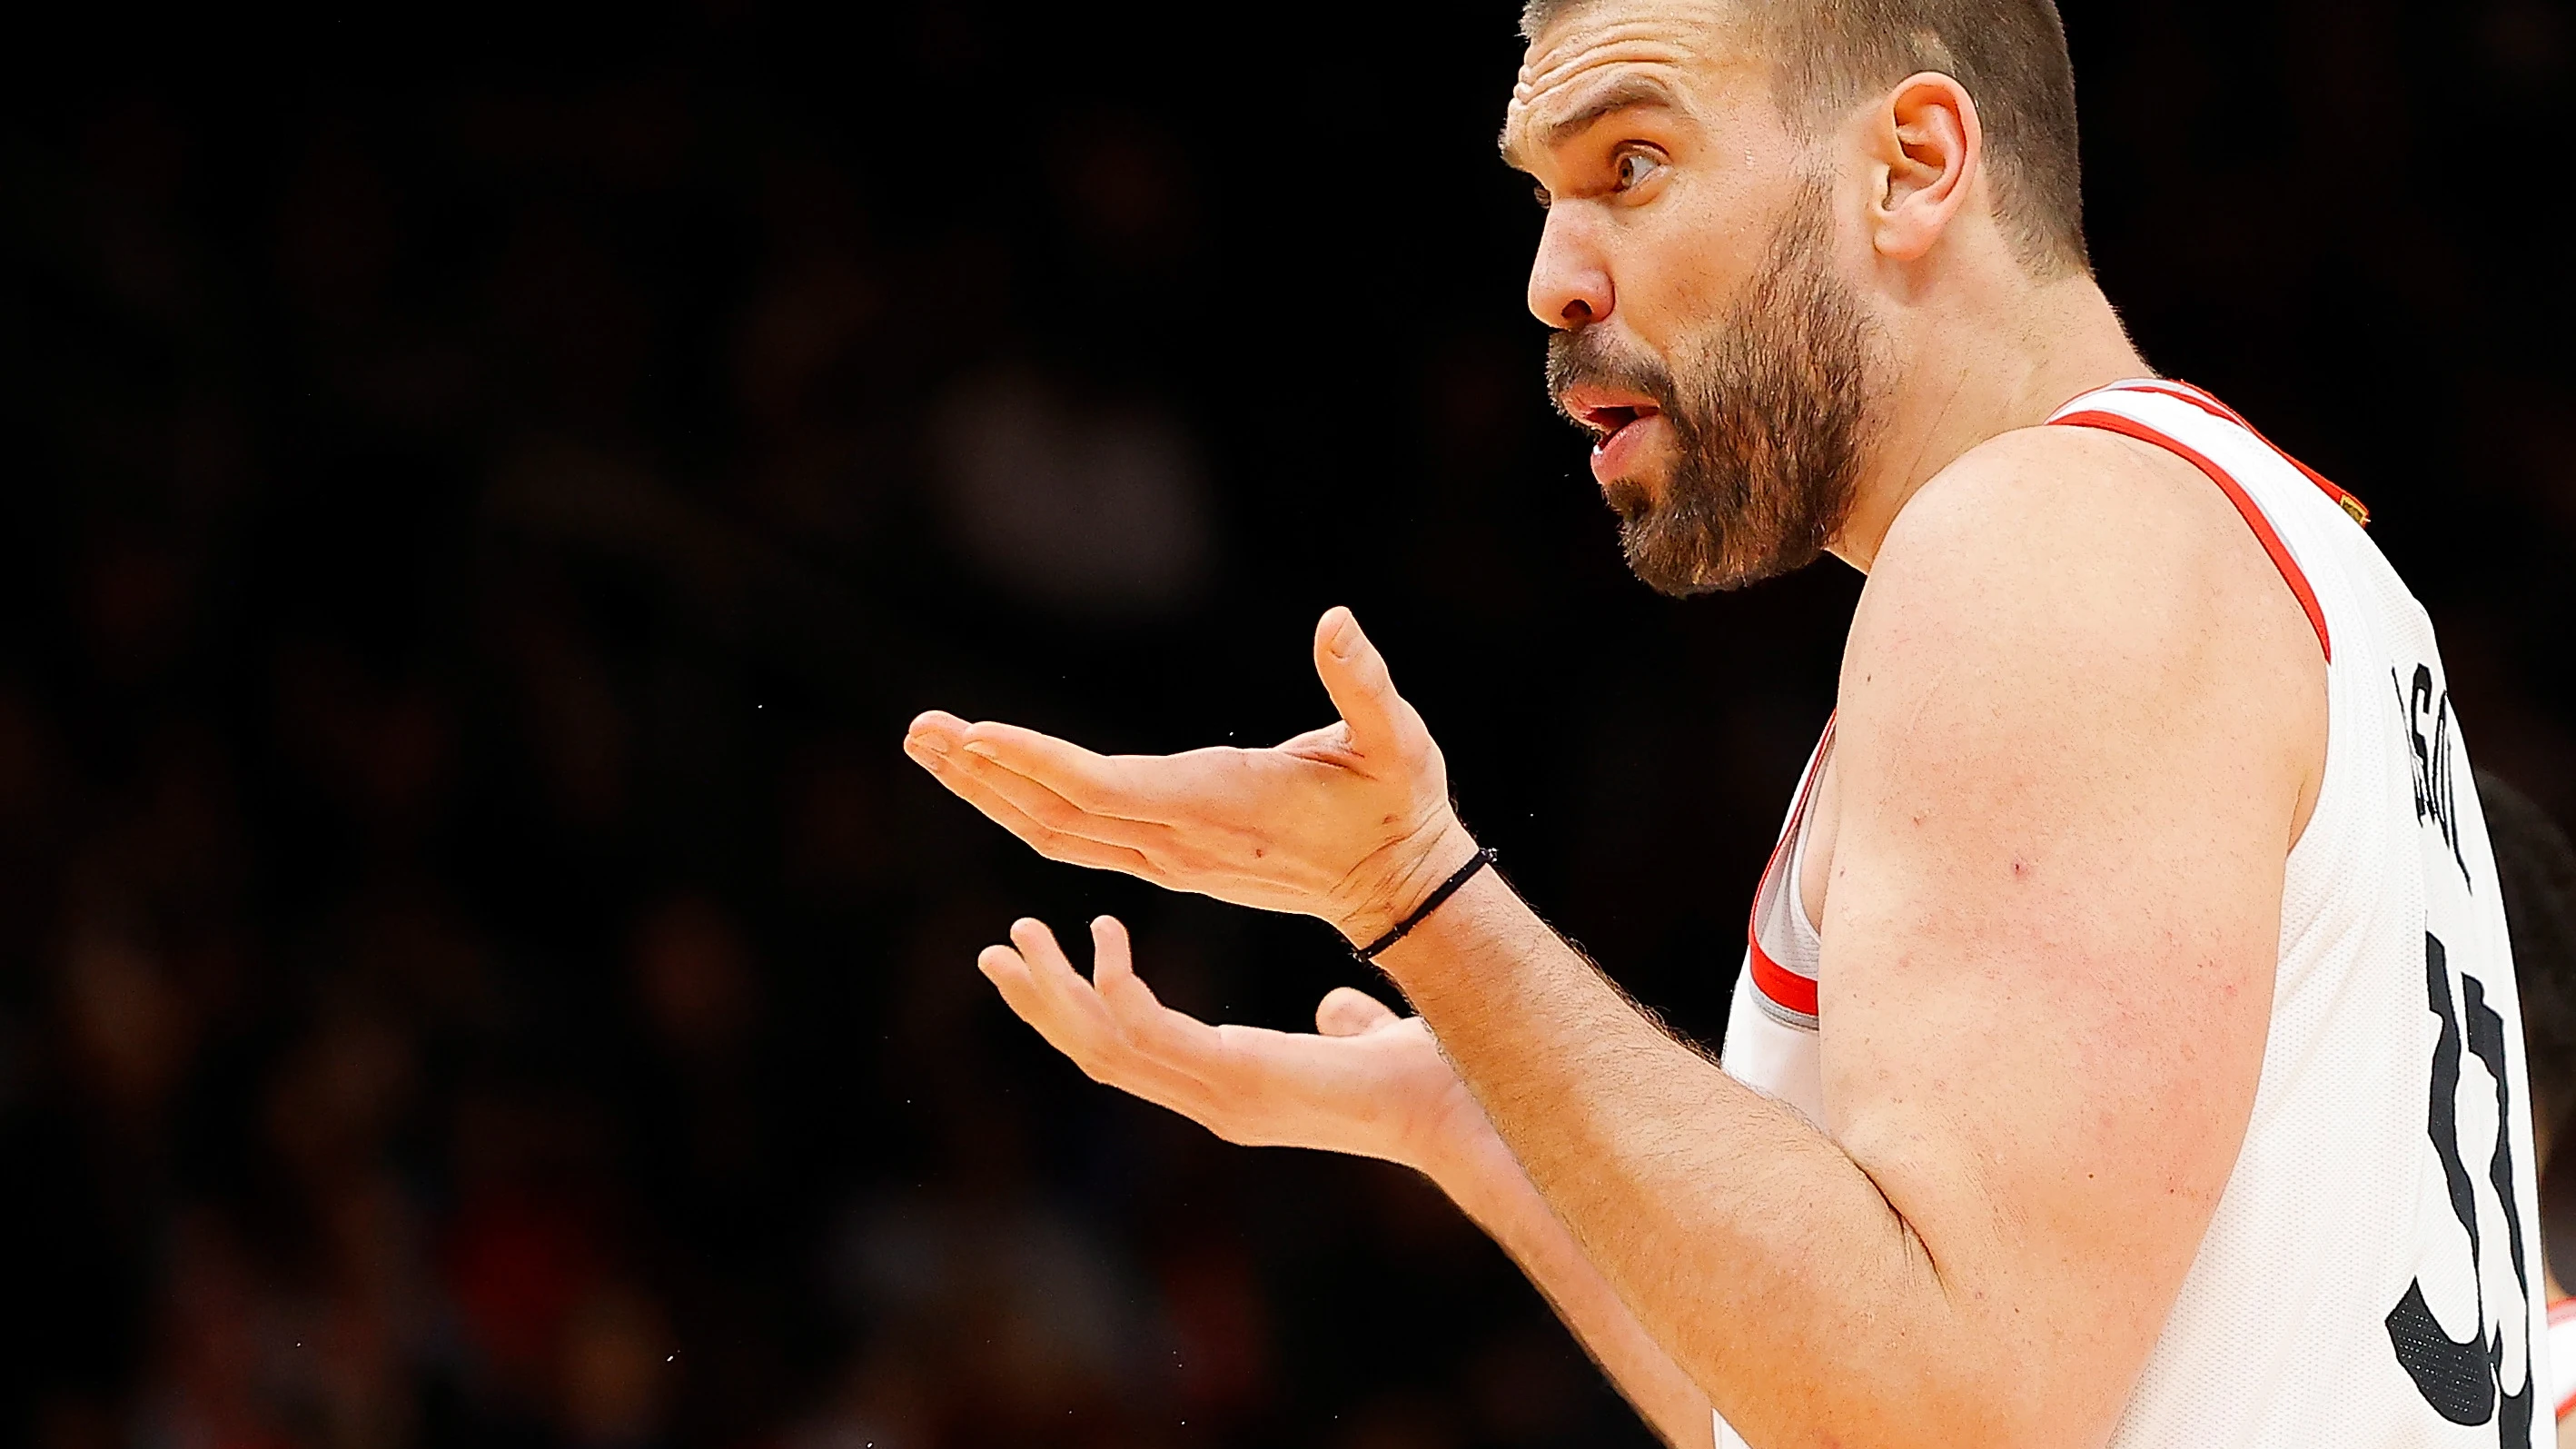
{"x":2185,"y":392}
{"x":1785,"y":987}
{"x":2254,"y":519}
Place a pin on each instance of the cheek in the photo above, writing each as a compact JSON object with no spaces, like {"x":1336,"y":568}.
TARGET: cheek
{"x":1680,"y":262}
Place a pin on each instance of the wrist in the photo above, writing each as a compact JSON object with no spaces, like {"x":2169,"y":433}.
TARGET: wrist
{"x":1414,"y":868}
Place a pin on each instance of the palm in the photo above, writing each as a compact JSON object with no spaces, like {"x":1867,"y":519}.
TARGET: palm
{"x":1336,"y":823}
{"x":1368,"y":1082}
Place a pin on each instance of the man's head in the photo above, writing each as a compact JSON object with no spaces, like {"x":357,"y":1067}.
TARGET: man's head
{"x":1752,"y":206}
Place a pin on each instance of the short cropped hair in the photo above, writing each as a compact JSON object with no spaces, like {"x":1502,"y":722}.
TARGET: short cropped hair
{"x":2010,"y":55}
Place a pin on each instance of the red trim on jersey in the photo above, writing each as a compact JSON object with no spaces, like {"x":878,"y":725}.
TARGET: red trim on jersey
{"x":2185,"y":392}
{"x":2236,"y":494}
{"x":1786,"y":988}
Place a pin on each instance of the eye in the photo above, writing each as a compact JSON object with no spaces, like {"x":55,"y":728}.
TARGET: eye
{"x":1635,"y":166}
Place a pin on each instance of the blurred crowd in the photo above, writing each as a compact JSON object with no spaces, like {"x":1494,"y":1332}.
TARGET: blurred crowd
{"x":474,"y":967}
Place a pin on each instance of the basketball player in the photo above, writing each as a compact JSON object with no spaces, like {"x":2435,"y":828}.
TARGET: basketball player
{"x":2536,"y":870}
{"x":2127,"y":1050}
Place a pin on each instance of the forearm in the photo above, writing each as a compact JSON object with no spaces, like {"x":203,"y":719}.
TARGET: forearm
{"x":2049,"y":983}
{"x":1488,"y":1185}
{"x":1743,"y":1240}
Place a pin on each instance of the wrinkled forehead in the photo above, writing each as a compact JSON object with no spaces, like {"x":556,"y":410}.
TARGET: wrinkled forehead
{"x":1690,"y":53}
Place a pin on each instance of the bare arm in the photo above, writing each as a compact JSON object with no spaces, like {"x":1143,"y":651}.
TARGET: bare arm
{"x":1497,"y":1194}
{"x":1366,"y":1083}
{"x":2080,"y":729}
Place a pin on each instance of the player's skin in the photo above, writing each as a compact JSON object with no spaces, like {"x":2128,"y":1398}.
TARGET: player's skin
{"x":2082,"y":722}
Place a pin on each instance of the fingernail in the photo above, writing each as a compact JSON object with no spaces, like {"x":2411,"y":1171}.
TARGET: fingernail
{"x":932,"y":743}
{"x":1346,"y":639}
{"x":979,"y":749}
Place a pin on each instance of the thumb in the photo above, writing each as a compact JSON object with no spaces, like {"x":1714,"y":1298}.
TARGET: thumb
{"x":1355,"y":675}
{"x":1347,"y":1011}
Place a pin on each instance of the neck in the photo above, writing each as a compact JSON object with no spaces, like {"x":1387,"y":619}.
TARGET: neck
{"x":1985,"y":367}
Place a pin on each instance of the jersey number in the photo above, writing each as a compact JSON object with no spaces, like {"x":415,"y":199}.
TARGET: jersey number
{"x":2464,"y":1382}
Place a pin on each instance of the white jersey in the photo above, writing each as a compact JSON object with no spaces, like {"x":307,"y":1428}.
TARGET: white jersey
{"x":2372,"y":1276}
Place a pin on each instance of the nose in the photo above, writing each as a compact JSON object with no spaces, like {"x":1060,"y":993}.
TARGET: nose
{"x":1569,"y":285}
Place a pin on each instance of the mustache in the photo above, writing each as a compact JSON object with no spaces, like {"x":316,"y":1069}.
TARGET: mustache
{"x":1592,"y":357}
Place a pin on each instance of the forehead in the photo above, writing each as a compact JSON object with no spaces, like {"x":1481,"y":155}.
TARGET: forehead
{"x":1695,"y":52}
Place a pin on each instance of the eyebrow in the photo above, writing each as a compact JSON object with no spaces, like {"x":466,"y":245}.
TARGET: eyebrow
{"x":1621,"y":94}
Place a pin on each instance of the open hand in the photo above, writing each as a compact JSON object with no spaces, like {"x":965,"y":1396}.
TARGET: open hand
{"x":1350,"y":823}
{"x":1370,"y":1083}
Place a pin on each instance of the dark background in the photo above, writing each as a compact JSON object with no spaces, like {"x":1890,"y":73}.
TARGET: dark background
{"x":485,"y":489}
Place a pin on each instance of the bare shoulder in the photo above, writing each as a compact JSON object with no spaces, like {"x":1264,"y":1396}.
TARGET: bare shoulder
{"x":2107,"y":587}
{"x":2079,"y":712}
{"x":2085,"y":545}
{"x":2061,"y":507}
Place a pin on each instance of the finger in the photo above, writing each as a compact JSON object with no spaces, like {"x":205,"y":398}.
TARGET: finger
{"x":1356,"y":676}
{"x":1058,"y":984}
{"x":1348,"y":1011}
{"x":1057,"y":1016}
{"x":1052,"y":997}
{"x":1113,"y":960}
{"x":1256,"y":1073}
{"x":1010,"y":975}
{"x":1096,"y":783}
{"x":1176,"y":1039}
{"x":973,"y":787}
{"x":1069,"y":1013}
{"x":1076,"y":1028}
{"x":936,"y":728}
{"x":1039,"y":803}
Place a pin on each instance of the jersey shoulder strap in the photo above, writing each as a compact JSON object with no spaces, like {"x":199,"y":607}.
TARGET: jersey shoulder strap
{"x":2104,"y":409}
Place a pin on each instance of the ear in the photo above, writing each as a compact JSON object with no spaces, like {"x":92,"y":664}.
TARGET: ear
{"x":1926,"y":148}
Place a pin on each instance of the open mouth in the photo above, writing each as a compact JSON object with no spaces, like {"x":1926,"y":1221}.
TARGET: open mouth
{"x":1604,"y":412}
{"x":1605,"y":422}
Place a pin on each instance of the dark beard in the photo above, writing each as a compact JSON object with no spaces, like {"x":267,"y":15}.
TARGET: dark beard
{"x":1771,"y":415}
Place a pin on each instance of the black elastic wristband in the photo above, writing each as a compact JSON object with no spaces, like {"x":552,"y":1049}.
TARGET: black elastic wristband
{"x":1421,"y":913}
